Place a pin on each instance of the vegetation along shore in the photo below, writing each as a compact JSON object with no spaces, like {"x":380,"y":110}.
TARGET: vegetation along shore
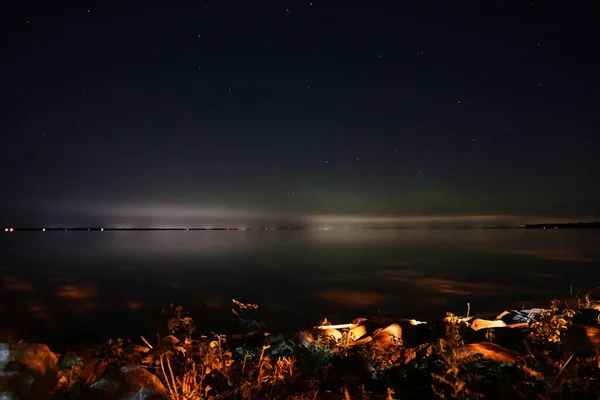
{"x":546,"y":353}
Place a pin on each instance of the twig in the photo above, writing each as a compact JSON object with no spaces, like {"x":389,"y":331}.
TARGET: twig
{"x":528,"y":350}
{"x":564,"y":366}
{"x":172,"y":377}
{"x":147,"y":344}
{"x":162,"y":366}
{"x":339,"y":326}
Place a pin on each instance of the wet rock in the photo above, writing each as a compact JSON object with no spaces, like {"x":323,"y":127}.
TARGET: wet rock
{"x":489,"y":351}
{"x":27,"y":371}
{"x":128,"y":382}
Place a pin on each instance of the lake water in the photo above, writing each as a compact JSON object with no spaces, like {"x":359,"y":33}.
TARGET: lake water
{"x":66,"y":287}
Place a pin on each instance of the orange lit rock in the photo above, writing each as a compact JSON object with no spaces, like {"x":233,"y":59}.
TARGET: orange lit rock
{"x":478,"y":324}
{"x":489,"y":351}
{"x":388,"y":336}
{"x":332,"y":334}
{"x":306,"y":338}
{"x":27,"y":371}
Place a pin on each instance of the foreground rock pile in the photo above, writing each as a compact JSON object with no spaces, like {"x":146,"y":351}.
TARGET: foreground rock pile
{"x":27,"y":371}
{"x":552,"y":353}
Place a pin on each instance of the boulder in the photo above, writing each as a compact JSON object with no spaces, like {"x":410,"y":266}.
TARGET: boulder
{"x":129,"y":382}
{"x":489,"y":351}
{"x":27,"y":371}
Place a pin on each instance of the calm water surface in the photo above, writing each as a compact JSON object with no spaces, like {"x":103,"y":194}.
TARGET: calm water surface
{"x":62,"y":287}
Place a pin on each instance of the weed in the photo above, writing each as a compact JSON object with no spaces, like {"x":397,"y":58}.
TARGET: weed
{"x":454,"y":328}
{"x":455,"y":381}
{"x":550,"y":325}
{"x":379,"y":357}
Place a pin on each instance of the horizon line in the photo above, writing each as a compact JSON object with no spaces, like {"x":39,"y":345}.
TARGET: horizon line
{"x":579,"y":224}
{"x":86,"y":229}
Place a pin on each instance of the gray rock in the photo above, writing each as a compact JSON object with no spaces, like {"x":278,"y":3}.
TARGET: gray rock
{"x":129,"y":382}
{"x":27,"y":371}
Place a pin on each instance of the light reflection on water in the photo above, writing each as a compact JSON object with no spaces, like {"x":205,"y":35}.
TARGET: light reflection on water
{"x":95,"y":284}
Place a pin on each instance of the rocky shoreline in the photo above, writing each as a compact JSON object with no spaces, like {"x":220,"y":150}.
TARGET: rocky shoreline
{"x":549,"y":353}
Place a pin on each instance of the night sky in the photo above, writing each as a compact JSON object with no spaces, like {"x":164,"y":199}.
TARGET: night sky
{"x":167,"y":113}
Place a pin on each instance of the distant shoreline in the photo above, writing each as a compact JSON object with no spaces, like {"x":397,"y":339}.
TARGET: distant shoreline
{"x":576,"y":225}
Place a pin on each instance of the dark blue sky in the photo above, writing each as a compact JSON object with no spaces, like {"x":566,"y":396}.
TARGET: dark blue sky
{"x":147,"y":112}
